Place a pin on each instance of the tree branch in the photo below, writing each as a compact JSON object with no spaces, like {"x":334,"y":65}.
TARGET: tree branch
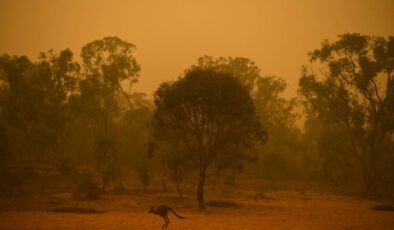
{"x":377,"y":92}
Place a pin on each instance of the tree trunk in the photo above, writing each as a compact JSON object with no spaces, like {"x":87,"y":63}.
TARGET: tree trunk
{"x":231,"y":178}
{"x":178,"y":188}
{"x":200,"y":191}
{"x":370,"y":176}
{"x":213,"y":186}
{"x":163,"y":184}
{"x":104,"y":184}
{"x":370,"y":184}
{"x":375,"y":153}
{"x":369,"y":157}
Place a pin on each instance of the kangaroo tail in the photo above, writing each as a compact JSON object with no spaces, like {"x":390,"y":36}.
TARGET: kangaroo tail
{"x":177,"y":215}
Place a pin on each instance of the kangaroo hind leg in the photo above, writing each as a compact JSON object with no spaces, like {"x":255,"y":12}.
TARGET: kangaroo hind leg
{"x":167,"y":221}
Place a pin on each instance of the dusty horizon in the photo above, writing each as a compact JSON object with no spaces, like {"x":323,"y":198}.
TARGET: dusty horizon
{"x":220,"y":145}
{"x":171,"y":35}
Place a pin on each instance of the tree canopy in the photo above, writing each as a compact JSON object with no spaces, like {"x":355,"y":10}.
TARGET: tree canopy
{"x":210,"y":118}
{"x":355,"y":91}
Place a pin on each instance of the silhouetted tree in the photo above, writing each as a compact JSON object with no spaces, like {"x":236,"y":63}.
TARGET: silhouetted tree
{"x":212,"y":117}
{"x":35,"y":101}
{"x":110,"y":70}
{"x":277,"y":114}
{"x":133,"y":135}
{"x":108,"y":64}
{"x":241,"y":68}
{"x":355,"y":89}
{"x":111,"y":62}
{"x":275,"y":167}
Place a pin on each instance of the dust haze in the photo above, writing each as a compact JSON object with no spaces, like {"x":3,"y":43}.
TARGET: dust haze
{"x":196,"y":114}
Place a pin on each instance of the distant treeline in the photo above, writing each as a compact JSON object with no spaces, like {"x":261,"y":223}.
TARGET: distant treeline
{"x":80,"y":127}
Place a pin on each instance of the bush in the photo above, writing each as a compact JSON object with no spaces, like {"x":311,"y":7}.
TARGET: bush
{"x":276,"y":167}
{"x":87,"y":188}
{"x":120,"y":189}
{"x":384,"y":207}
{"x":144,"y":176}
{"x":77,"y":210}
{"x":66,"y":167}
{"x":12,"y":182}
{"x":222,"y":204}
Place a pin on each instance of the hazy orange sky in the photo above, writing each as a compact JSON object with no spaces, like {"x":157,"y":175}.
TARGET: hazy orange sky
{"x":171,"y":34}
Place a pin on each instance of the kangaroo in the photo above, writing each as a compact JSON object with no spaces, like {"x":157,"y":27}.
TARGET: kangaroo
{"x":162,"y":210}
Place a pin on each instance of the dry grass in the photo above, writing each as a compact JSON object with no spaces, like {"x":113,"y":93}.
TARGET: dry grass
{"x":286,"y":210}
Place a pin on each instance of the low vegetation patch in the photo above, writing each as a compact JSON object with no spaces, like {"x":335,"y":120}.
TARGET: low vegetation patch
{"x":77,"y":210}
{"x":87,"y":188}
{"x":222,"y":204}
{"x":383,"y":207}
{"x":263,"y":196}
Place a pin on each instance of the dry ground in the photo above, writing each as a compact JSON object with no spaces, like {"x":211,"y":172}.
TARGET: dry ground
{"x":275,"y":210}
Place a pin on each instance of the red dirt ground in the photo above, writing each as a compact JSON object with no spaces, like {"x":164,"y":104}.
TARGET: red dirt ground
{"x":286,"y":210}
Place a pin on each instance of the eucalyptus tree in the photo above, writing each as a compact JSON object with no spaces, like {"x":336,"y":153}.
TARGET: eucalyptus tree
{"x":354,"y":89}
{"x":210,"y":121}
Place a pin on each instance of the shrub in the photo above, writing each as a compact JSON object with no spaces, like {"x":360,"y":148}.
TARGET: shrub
{"x":87,"y":188}
{"x":222,"y":204}
{"x":12,"y":182}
